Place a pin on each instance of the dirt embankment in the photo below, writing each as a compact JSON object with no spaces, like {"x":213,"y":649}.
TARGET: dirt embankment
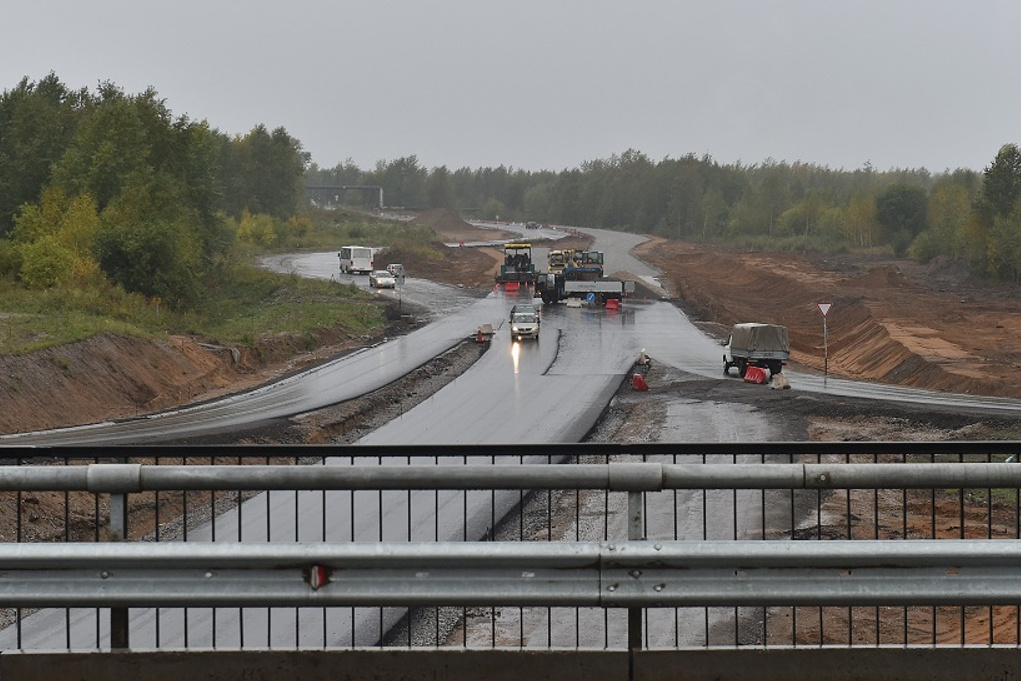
{"x":891,"y":321}
{"x":112,"y":377}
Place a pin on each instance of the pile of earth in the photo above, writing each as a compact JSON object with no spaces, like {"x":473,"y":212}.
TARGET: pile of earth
{"x":469,"y":267}
{"x":890,"y":320}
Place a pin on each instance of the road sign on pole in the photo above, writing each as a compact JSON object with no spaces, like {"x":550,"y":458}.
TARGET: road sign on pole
{"x":825,"y":308}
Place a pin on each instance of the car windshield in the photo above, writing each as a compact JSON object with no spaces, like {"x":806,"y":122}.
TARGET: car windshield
{"x":382,"y":274}
{"x":524,"y":317}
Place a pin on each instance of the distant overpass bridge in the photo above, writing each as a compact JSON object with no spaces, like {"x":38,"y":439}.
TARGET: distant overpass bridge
{"x":332,"y":193}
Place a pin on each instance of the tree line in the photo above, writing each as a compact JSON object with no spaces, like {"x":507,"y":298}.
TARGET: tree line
{"x":112,"y":187}
{"x":108,"y":187}
{"x":775,"y":205}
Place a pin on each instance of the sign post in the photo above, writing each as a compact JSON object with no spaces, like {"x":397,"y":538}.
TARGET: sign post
{"x":825,"y":308}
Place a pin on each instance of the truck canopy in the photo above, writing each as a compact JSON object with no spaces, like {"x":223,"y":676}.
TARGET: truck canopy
{"x":754,"y":337}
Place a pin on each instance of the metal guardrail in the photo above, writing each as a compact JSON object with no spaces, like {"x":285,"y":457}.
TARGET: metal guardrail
{"x":772,"y":484}
{"x":115,"y":478}
{"x":604,"y":575}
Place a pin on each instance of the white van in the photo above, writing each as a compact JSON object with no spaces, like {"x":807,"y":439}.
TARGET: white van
{"x":354,"y":259}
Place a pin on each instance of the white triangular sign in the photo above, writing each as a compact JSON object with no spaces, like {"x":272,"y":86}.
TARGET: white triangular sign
{"x":825,"y":307}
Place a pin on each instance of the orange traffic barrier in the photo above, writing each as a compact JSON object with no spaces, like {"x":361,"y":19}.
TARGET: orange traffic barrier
{"x":612,"y":304}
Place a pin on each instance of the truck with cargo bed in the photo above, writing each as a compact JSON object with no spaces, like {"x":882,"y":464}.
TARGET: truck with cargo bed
{"x":753,"y":344}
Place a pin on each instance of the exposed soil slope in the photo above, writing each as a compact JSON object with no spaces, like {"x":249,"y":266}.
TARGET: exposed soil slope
{"x":892,"y":321}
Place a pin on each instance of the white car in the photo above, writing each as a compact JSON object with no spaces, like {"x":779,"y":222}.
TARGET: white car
{"x":382,"y":279}
{"x":524,"y":322}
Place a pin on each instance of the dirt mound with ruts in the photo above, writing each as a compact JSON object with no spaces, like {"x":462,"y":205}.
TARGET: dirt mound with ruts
{"x":469,"y":267}
{"x":891,"y":321}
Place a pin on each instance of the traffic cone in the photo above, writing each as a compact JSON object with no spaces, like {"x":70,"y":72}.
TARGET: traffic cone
{"x":478,"y":337}
{"x":638,"y":383}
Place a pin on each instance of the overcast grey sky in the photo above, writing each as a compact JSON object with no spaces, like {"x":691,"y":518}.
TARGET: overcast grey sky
{"x":550,"y":84}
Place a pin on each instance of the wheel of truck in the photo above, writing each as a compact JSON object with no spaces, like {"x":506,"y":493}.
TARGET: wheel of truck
{"x":774,"y":368}
{"x":726,"y":367}
{"x":742,"y":367}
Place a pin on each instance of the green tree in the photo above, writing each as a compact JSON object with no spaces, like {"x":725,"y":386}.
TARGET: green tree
{"x":1001,"y":186}
{"x":37,"y":122}
{"x":1005,"y":248}
{"x":149,"y":248}
{"x":46,"y":263}
{"x":900,"y":211}
{"x":257,"y":229}
{"x":111,"y":146}
{"x":948,"y":211}
{"x":262,"y":172}
{"x":438,"y":189}
{"x":861,"y":221}
{"x":403,"y":181}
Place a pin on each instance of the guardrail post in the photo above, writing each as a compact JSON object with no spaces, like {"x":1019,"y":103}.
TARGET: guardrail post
{"x":635,"y":530}
{"x":118,"y":532}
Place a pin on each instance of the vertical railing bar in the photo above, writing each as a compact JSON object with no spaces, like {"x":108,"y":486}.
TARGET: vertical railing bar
{"x":492,"y":537}
{"x":297,"y":538}
{"x":240,"y":522}
{"x":875,"y":535}
{"x":904,"y":536}
{"x":269,"y":538}
{"x":705,"y":536}
{"x":323,"y":515}
{"x":436,"y":537}
{"x":636,"y":525}
{"x":521,"y":537}
{"x":379,"y":512}
{"x":353,"y":539}
{"x":961,"y":521}
{"x":118,"y":533}
{"x":850,"y":535}
{"x":677,"y":519}
{"x":989,"y":535}
{"x":184,"y":535}
{"x":464,"y":537}
{"x":156,"y":516}
{"x":18,"y":537}
{"x":410,"y":618}
{"x":932,"y":535}
{"x":549,"y":537}
{"x":734,"y":522}
{"x":765,"y":611}
{"x":95,"y":538}
{"x":212,"y":516}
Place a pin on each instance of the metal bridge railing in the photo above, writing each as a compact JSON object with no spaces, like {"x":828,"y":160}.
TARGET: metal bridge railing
{"x":637,"y":547}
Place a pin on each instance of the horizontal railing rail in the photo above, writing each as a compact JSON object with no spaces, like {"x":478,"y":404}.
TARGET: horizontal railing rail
{"x":577,"y":574}
{"x":627,"y":477}
{"x":11,"y":450}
